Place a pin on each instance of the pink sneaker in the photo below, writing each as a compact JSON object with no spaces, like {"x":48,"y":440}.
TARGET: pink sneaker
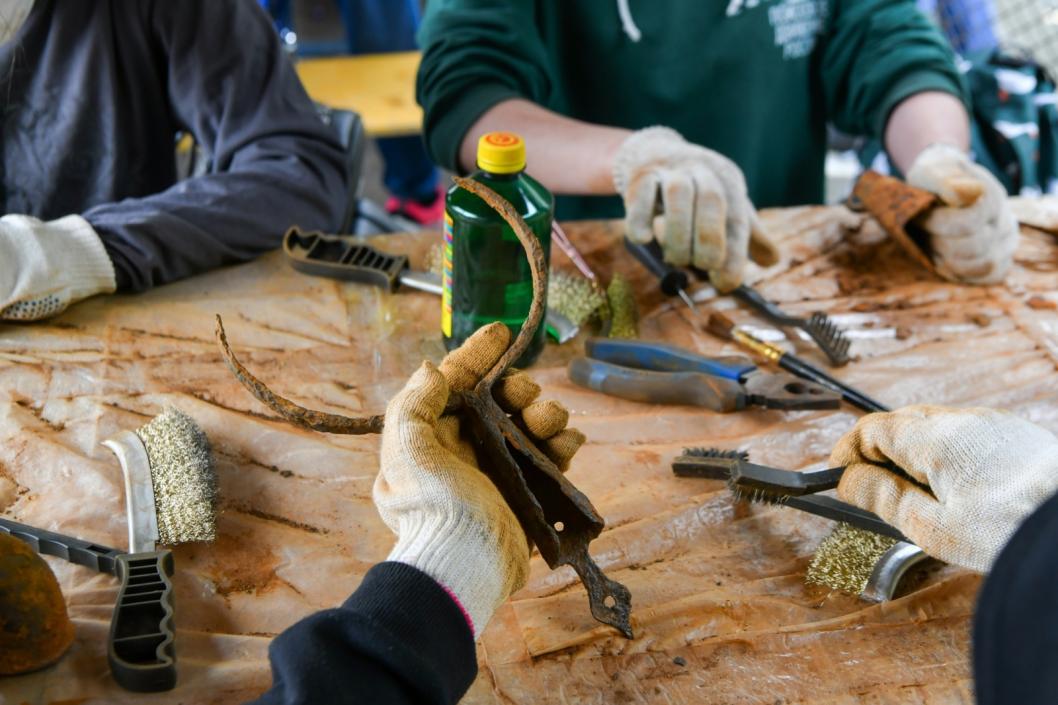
{"x":428,"y":215}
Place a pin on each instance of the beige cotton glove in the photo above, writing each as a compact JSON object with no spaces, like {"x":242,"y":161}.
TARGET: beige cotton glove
{"x":973,"y":233}
{"x":986,"y":471}
{"x":450,"y":520}
{"x":46,"y":266}
{"x":707,"y":218}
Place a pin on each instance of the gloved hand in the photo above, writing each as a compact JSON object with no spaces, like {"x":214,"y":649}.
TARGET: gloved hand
{"x":708,"y":219}
{"x":974,"y":233}
{"x":46,"y":266}
{"x":987,"y":471}
{"x":451,"y":521}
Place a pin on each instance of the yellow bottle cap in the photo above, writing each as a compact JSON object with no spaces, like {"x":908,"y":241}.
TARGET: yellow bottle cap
{"x":501,"y":153}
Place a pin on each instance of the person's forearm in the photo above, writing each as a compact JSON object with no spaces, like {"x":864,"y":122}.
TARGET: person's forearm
{"x":924,"y":119}
{"x":566,"y":155}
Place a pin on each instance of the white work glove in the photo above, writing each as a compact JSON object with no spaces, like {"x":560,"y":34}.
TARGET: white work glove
{"x":987,"y":470}
{"x":451,"y":521}
{"x":708,"y":219}
{"x":973,"y":233}
{"x":46,"y":266}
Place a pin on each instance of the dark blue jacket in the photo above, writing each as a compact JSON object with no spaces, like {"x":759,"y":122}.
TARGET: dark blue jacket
{"x":93,"y":94}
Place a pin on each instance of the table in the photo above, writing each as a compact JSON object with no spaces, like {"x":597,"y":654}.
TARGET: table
{"x":381,"y":87}
{"x":720,"y":610}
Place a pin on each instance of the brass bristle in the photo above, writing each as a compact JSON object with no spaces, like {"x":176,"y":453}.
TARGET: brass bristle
{"x":574,"y":297}
{"x":846,"y":558}
{"x":720,"y":325}
{"x":624,"y":315}
{"x":433,"y":260}
{"x":184,"y":478}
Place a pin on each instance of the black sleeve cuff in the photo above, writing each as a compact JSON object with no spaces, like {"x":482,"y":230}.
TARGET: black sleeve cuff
{"x":1016,"y":627}
{"x":400,"y":638}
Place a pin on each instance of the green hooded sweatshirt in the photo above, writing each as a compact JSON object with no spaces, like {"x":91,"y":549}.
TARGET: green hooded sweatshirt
{"x":756,"y":80}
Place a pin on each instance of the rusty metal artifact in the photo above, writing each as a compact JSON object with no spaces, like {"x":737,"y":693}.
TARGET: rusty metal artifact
{"x":35,"y":630}
{"x":896,"y":205}
{"x":554,"y":514}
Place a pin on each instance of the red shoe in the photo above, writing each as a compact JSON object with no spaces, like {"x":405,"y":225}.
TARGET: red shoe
{"x":427,"y":215}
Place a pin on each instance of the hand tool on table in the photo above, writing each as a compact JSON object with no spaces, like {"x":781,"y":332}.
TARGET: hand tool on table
{"x":723,"y":327}
{"x":170,"y":497}
{"x":876,"y":579}
{"x":827,"y":336}
{"x":348,"y":258}
{"x":675,"y":282}
{"x":663,"y":374}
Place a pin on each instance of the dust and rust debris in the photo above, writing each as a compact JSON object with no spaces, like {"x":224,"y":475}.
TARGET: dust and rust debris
{"x":512,"y":461}
{"x":980,"y":319}
{"x":1041,"y":304}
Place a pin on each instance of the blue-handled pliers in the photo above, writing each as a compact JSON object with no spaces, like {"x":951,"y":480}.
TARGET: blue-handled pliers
{"x":664,"y":374}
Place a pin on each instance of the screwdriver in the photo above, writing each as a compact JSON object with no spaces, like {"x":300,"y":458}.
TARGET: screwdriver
{"x":674,"y":282}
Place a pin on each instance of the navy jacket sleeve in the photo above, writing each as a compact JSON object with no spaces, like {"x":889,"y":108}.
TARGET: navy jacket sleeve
{"x":1016,"y":627}
{"x":273,"y":163}
{"x":400,"y":639}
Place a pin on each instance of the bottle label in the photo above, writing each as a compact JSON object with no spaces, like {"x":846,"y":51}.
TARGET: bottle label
{"x":446,"y":279}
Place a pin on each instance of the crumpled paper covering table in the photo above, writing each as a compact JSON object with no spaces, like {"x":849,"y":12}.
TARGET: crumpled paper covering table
{"x":720,"y":610}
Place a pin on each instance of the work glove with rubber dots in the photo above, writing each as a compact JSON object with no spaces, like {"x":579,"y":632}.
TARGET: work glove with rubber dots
{"x":451,"y":521}
{"x":46,"y":266}
{"x":977,"y":474}
{"x":973,"y":233}
{"x":706,"y":218}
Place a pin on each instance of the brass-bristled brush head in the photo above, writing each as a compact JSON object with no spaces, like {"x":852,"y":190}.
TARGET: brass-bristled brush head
{"x":574,"y":297}
{"x":720,"y":325}
{"x":184,"y":478}
{"x":846,"y":558}
{"x":624,"y":314}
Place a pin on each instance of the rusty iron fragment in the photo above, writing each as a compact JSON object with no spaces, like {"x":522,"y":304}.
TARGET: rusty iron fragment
{"x":896,"y":205}
{"x":554,"y":514}
{"x":295,"y":414}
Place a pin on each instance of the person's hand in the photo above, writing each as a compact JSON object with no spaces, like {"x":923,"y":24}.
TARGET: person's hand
{"x":46,"y":266}
{"x":451,"y":521}
{"x":708,"y":220}
{"x":980,"y":473}
{"x":973,"y":233}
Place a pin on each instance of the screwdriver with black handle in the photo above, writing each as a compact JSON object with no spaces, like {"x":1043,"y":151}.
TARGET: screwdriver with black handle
{"x":673,"y":281}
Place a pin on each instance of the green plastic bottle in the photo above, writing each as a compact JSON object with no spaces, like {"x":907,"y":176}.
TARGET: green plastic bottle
{"x":486,"y":271}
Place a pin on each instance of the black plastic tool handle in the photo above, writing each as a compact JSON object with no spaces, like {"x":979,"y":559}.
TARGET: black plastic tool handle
{"x":49,"y":543}
{"x":342,"y":257}
{"x":692,"y":388}
{"x":834,"y":509}
{"x":671,"y":279}
{"x":140,"y":648}
{"x":753,"y":297}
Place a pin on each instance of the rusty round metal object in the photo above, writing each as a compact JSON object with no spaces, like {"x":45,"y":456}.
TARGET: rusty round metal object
{"x":34,"y":628}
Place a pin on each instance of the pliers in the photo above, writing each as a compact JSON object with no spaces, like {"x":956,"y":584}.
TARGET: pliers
{"x":656,"y":373}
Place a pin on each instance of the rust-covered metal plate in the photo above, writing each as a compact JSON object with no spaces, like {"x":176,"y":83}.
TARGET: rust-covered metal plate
{"x":896,"y":205}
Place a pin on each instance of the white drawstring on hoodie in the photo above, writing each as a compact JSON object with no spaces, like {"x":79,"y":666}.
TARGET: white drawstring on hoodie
{"x":627,"y":23}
